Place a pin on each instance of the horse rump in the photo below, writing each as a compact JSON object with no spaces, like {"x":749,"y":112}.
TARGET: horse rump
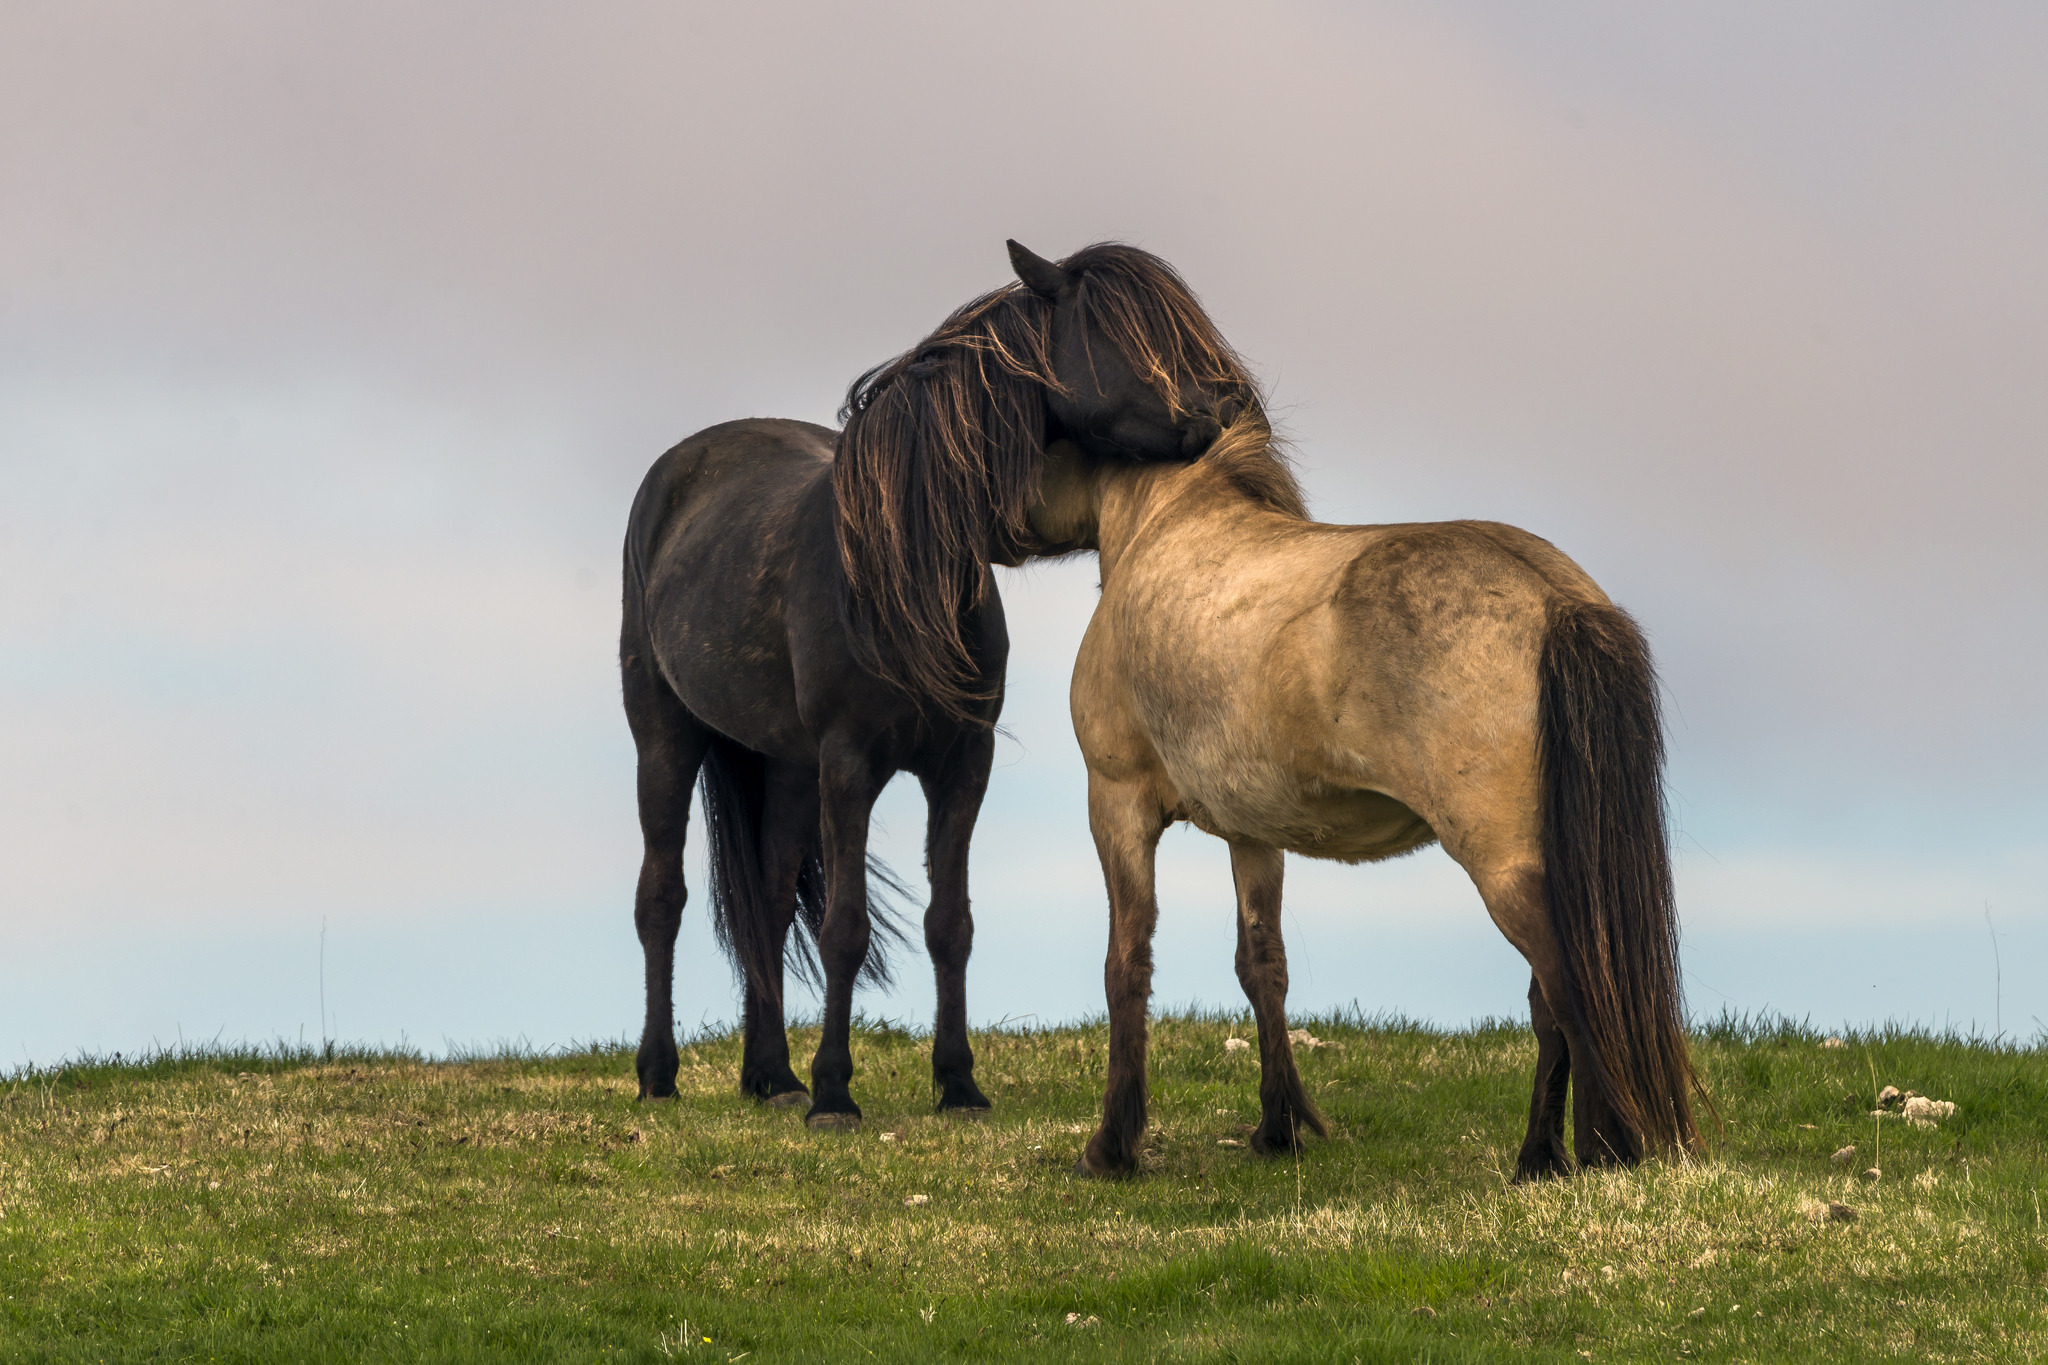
{"x":1608,"y":869}
{"x":755,"y":934}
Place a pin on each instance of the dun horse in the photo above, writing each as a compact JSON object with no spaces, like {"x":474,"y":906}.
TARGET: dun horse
{"x":1355,"y":692}
{"x":809,"y":612}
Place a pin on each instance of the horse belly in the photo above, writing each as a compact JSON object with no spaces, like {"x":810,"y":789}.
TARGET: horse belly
{"x":1251,"y":797}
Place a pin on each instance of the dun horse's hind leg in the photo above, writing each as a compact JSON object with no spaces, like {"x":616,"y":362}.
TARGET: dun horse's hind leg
{"x":1543,"y":1150}
{"x":953,"y":801}
{"x":671,"y":745}
{"x":847,"y":787}
{"x":789,"y":830}
{"x":1262,"y":970}
{"x":1127,"y":821}
{"x":1515,"y":899}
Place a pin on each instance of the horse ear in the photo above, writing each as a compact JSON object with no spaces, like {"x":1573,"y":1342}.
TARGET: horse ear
{"x":1040,"y":276}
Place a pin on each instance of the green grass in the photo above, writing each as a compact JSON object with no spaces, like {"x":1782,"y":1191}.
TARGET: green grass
{"x":231,"y":1206}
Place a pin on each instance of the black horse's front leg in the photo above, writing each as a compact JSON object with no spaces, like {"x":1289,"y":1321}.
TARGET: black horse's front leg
{"x":847,"y":788}
{"x":953,"y":801}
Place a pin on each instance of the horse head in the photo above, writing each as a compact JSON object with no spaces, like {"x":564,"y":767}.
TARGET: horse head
{"x":944,"y":447}
{"x":1138,"y":372}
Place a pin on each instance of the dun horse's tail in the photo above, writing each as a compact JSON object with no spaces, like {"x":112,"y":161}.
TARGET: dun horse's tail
{"x":1608,"y":871}
{"x":734,"y":782}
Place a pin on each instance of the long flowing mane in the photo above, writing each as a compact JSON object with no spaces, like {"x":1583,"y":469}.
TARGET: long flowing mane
{"x":939,"y":460}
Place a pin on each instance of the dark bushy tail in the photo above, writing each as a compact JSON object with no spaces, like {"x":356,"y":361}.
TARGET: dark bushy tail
{"x":1608,"y":870}
{"x":734,"y":783}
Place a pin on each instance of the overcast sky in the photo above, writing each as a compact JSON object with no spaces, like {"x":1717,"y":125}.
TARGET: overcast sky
{"x":334,"y":341}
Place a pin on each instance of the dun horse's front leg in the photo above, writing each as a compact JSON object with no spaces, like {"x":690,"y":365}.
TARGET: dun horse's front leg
{"x":1284,"y":1106}
{"x":847,"y":788}
{"x":1127,"y":821}
{"x":953,"y":801}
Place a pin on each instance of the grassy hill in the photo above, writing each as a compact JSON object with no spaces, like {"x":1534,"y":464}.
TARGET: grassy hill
{"x":231,"y":1206}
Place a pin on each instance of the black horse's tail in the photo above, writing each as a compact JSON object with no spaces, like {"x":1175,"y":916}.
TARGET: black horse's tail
{"x":734,"y":783}
{"x":1608,"y":870}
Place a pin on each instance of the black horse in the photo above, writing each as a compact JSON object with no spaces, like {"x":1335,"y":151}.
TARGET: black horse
{"x":808,"y":613}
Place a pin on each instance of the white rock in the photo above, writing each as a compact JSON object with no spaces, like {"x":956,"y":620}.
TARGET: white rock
{"x":1930,"y":1112}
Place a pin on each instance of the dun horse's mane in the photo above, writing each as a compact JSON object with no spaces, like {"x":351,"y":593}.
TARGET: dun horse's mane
{"x":1254,"y":462}
{"x":940,"y":457}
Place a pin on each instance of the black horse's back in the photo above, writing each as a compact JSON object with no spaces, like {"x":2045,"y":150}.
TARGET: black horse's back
{"x":743,"y":463}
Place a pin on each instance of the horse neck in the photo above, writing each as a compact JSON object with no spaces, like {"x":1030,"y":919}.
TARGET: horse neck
{"x":1149,"y":499}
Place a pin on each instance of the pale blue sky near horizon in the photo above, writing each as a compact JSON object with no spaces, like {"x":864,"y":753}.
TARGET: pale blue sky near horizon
{"x":334,"y":343}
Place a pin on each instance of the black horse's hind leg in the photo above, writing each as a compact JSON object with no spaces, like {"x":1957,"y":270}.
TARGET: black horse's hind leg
{"x":1543,"y":1150}
{"x":671,"y":745}
{"x":1284,"y":1106}
{"x":789,"y":831}
{"x":847,"y":787}
{"x":953,"y":801}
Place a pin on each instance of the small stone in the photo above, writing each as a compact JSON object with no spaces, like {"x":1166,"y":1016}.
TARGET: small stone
{"x":1076,"y":1320}
{"x":1228,"y":1142}
{"x":916,"y":1201}
{"x":1840,"y":1213}
{"x":1833,"y":1043}
{"x":1697,"y":1313}
{"x":1844,"y":1157}
{"x":1235,"y":1045}
{"x":1301,"y":1037}
{"x":1891,"y":1097}
{"x":1923,"y":1111}
{"x":1423,"y":1311}
{"x":888,"y":1137}
{"x":1873,"y":1175}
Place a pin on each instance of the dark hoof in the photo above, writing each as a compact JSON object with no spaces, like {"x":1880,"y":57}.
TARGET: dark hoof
{"x":657,"y":1077}
{"x":958,"y":1094}
{"x":835,"y":1122}
{"x":1265,"y":1143}
{"x":786,"y":1099}
{"x":1529,"y":1172}
{"x":1094,"y":1166}
{"x":1541,"y":1161}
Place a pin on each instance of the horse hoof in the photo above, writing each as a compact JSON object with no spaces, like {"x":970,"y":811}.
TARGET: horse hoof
{"x":1084,"y":1171}
{"x":838,"y":1123}
{"x":787,"y":1099}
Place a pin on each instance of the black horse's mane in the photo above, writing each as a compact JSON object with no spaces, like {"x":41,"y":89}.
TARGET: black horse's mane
{"x":940,"y":457}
